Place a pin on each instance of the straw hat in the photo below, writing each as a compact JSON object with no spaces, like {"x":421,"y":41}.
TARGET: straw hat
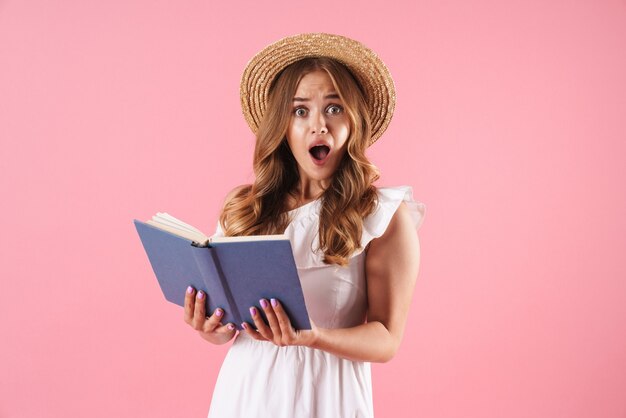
{"x":364,"y":64}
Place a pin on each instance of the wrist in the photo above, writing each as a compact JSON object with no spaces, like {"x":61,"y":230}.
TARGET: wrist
{"x":314,"y":337}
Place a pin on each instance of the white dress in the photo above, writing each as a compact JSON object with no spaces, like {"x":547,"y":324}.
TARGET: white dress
{"x":260,"y":379}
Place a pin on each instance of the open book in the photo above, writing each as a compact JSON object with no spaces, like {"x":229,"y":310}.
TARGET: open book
{"x":234,"y":272}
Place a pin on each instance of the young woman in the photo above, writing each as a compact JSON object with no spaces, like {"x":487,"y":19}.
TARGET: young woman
{"x":316,"y":102}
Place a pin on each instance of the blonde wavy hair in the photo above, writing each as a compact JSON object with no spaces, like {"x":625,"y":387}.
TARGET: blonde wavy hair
{"x":260,"y":208}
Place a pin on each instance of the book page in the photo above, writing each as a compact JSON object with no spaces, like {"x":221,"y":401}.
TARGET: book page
{"x":169,"y":223}
{"x":278,"y":237}
{"x":167,"y":219}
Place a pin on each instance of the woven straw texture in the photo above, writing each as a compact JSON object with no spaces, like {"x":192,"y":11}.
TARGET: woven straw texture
{"x":364,"y":64}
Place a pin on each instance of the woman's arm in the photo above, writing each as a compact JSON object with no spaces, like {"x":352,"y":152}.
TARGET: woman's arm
{"x":392,"y":264}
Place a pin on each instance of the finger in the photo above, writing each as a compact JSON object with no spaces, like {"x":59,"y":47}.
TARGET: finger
{"x":271,"y":318}
{"x":228,"y":329}
{"x":283,"y":320}
{"x":252,"y":332}
{"x":260,"y":325}
{"x":189,"y":304}
{"x":199,"y":313}
{"x":213,"y":322}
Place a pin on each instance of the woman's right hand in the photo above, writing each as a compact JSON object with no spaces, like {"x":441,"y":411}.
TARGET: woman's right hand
{"x":209,"y":328}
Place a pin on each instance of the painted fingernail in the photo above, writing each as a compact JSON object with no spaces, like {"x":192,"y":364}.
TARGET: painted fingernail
{"x":274,"y":302}
{"x":189,"y":289}
{"x":253,"y":311}
{"x":263,"y":303}
{"x":201,"y":295}
{"x":219,"y":312}
{"x":230,"y":327}
{"x":244,"y":325}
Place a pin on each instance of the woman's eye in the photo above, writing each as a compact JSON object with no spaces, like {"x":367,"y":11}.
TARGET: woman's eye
{"x":300,"y":111}
{"x":334,"y":109}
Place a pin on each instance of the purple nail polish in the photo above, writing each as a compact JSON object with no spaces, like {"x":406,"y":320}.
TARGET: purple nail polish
{"x":263,"y":303}
{"x":231,"y":327}
{"x":219,"y":312}
{"x":274,"y":302}
{"x":244,"y":325}
{"x":201,"y":295}
{"x":253,"y":311}
{"x":189,"y":289}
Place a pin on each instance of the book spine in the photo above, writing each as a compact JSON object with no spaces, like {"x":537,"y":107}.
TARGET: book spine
{"x":213,"y":278}
{"x":227,"y":292}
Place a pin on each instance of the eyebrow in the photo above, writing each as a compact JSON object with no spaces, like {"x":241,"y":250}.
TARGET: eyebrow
{"x":304,"y":99}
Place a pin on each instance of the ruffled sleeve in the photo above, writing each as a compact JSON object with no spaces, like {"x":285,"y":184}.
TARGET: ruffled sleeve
{"x":303,"y":230}
{"x":389,"y":199}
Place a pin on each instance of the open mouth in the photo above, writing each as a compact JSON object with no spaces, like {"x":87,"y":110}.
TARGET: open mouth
{"x":319,"y":152}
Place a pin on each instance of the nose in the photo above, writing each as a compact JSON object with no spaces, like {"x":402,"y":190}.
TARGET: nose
{"x":318,"y":124}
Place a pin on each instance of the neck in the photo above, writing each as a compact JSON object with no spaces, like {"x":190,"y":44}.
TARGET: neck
{"x":308,"y":190}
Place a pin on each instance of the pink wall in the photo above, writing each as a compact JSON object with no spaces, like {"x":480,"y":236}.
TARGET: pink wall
{"x":510,"y":126}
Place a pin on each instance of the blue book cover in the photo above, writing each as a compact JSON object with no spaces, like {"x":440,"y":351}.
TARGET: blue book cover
{"x":234,"y":273}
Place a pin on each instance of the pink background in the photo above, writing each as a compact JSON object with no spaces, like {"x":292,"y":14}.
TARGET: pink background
{"x":510,"y":126}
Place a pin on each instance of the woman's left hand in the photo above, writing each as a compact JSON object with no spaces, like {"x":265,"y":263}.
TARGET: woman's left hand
{"x":280,"y":331}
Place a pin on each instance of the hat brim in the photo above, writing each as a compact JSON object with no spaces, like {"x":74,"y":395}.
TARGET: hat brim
{"x":365,"y":65}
